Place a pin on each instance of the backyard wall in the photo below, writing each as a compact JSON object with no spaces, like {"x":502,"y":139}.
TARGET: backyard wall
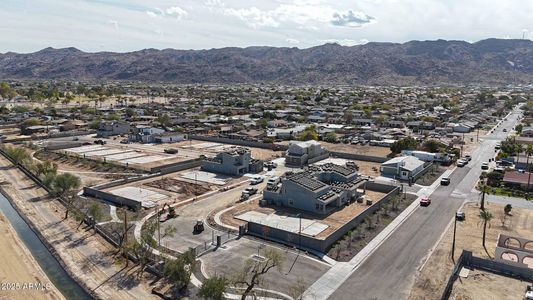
{"x":239,"y":142}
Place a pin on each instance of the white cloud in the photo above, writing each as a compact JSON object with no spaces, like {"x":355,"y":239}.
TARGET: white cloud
{"x":352,"y":19}
{"x":253,"y":17}
{"x":176,"y":11}
{"x":306,"y":15}
{"x":292,"y":41}
{"x":152,"y":14}
{"x":114,"y":23}
{"x":344,"y":42}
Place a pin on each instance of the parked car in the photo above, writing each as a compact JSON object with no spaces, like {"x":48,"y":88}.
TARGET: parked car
{"x":171,"y":150}
{"x":425,"y":201}
{"x":467,"y":158}
{"x":86,"y":143}
{"x":445,"y":181}
{"x":75,"y":138}
{"x":125,"y":141}
{"x":484,"y":166}
{"x":100,"y":142}
{"x":529,"y":293}
{"x":461,"y":163}
{"x":256,"y":180}
{"x":460,"y":216}
{"x":504,"y":130}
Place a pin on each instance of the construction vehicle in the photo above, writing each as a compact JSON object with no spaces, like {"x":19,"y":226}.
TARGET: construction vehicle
{"x":199,"y":226}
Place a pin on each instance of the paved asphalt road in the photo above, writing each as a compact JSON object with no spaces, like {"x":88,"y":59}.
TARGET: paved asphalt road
{"x":389,"y":272}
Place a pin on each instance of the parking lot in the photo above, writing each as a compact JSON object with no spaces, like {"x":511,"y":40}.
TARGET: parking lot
{"x":297,"y":267}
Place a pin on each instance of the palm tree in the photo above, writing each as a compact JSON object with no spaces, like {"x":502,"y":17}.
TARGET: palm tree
{"x":529,"y":152}
{"x":486,"y":217}
{"x":484,"y":189}
{"x":519,"y":149}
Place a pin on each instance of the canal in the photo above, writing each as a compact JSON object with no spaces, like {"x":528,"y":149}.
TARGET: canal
{"x":53,"y":269}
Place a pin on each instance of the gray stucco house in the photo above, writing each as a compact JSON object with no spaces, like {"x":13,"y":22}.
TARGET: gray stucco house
{"x":319,"y":189}
{"x":402,"y":167}
{"x":106,"y":129}
{"x":237,"y":161}
{"x":304,"y":153}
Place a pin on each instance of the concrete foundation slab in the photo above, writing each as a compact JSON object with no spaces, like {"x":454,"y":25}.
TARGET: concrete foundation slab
{"x":87,"y":148}
{"x":145,"y":159}
{"x":148,"y":198}
{"x":207,"y":177}
{"x":283,"y":222}
{"x":125,"y":155}
{"x":104,"y":152}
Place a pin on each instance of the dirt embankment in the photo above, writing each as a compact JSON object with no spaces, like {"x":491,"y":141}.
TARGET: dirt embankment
{"x":19,"y":268}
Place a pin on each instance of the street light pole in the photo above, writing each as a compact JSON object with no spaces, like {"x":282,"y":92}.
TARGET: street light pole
{"x":158,"y":227}
{"x":453,"y":243}
{"x":300,"y":233}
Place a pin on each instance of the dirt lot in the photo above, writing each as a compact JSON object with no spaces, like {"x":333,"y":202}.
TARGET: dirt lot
{"x":368,"y":168}
{"x":357,"y":149}
{"x":184,"y":189}
{"x":485,"y":285}
{"x":431,"y":280}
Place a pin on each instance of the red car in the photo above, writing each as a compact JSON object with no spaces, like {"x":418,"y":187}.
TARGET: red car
{"x":425,"y":201}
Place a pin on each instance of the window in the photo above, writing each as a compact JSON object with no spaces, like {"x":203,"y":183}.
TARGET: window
{"x":317,"y":206}
{"x":291,"y":202}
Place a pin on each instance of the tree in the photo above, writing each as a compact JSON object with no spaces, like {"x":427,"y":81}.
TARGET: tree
{"x":95,"y":211}
{"x":529,"y":152}
{"x":507,"y":209}
{"x":44,"y":168}
{"x":178,"y":271}
{"x":486,"y":217}
{"x":407,"y":143}
{"x":254,"y":270}
{"x":18,"y":154}
{"x":308,"y":134}
{"x":519,"y":128}
{"x":519,"y":148}
{"x":484,"y":189}
{"x":213,"y":288}
{"x":331,"y":137}
{"x":164,"y":120}
{"x":433,"y":145}
{"x":64,"y":185}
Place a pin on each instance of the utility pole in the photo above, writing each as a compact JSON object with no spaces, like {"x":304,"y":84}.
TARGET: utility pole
{"x":453,"y":243}
{"x":300,"y":233}
{"x":125,"y":242}
{"x":158,"y":228}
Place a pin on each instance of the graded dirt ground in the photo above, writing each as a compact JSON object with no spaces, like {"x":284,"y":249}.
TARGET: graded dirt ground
{"x":432,"y":277}
{"x":19,"y":267}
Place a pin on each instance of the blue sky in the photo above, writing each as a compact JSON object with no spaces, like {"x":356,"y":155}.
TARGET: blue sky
{"x":129,"y":25}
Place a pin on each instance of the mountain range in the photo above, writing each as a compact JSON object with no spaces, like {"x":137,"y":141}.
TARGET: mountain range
{"x":490,"y":61}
